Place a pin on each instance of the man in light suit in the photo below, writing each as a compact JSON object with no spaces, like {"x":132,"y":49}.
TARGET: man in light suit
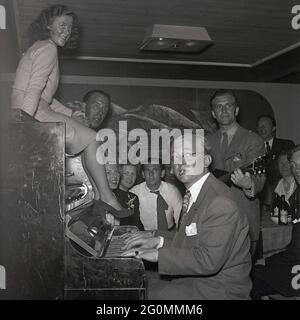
{"x":208,"y":257}
{"x":232,"y":147}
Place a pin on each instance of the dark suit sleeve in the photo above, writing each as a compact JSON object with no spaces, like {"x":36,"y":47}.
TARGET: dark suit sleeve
{"x":290,"y":144}
{"x":138,"y":222}
{"x":166,"y":234}
{"x":215,"y":240}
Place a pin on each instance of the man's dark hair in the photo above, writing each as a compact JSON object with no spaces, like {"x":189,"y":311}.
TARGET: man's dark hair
{"x":292,"y":151}
{"x":268,"y":116}
{"x":149,"y":161}
{"x":284,"y":152}
{"x":89,"y":94}
{"x":222,"y":92}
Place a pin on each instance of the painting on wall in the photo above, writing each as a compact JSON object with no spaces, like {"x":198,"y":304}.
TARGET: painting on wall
{"x":165,"y":107}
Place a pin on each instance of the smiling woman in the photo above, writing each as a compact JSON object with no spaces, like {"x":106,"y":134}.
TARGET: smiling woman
{"x":36,"y":81}
{"x":52,"y":17}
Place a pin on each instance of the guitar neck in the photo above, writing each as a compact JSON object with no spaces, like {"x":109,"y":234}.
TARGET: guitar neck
{"x":257,"y":166}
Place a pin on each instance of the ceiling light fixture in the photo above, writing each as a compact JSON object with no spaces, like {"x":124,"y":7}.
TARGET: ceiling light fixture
{"x":181,"y":39}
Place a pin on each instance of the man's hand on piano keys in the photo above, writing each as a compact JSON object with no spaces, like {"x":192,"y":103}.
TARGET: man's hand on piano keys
{"x":137,"y":234}
{"x":146,"y":254}
{"x":141,"y":240}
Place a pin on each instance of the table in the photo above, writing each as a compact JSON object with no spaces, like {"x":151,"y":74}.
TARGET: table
{"x":274,"y":237}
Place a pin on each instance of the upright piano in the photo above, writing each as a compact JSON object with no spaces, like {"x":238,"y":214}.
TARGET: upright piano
{"x":39,"y":260}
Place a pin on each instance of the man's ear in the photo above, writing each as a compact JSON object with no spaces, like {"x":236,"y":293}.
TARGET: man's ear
{"x":237,"y":109}
{"x":143,"y":175}
{"x":163,"y":172}
{"x":207,"y":160}
{"x":213,"y":114}
{"x":274,"y":129}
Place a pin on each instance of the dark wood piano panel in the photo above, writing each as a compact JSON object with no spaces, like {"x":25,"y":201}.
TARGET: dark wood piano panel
{"x":102,"y":278}
{"x":32,"y":208}
{"x":40,"y":262}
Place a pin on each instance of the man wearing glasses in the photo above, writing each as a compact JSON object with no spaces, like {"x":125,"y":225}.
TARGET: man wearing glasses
{"x":233,"y":147}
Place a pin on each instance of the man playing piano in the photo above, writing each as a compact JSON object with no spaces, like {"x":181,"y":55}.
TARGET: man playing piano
{"x":208,"y":257}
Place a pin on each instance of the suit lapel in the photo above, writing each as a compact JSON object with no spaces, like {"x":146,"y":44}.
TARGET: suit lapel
{"x":201,"y":195}
{"x":274,"y":146}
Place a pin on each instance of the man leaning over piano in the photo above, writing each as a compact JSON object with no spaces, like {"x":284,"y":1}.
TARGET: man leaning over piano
{"x":208,"y":256}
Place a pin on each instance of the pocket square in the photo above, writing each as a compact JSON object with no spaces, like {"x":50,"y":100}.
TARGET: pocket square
{"x":191,"y":230}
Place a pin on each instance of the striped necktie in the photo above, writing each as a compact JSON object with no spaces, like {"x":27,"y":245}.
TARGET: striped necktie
{"x":185,"y":206}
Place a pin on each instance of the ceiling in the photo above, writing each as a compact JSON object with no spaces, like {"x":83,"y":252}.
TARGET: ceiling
{"x":248,"y":35}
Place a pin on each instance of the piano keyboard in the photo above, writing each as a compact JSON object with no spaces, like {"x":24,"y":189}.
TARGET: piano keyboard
{"x":115,"y":247}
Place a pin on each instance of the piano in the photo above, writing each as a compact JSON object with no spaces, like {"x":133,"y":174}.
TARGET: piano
{"x":94,"y":268}
{"x":41,"y":262}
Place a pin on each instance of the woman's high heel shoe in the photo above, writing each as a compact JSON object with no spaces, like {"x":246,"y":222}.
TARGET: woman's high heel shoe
{"x":101,"y":207}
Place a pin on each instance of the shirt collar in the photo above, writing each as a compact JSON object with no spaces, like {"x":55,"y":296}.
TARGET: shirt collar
{"x":197,"y":186}
{"x":270,"y":142}
{"x":158,"y":189}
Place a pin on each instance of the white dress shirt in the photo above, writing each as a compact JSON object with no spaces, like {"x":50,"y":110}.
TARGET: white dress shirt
{"x":195,"y":190}
{"x":148,"y":204}
{"x":270,"y":143}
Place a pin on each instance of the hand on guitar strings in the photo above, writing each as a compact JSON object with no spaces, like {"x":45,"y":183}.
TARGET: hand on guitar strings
{"x":110,"y":218}
{"x":242,"y":180}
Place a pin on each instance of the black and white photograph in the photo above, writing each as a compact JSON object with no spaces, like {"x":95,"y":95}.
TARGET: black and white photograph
{"x":150,"y":151}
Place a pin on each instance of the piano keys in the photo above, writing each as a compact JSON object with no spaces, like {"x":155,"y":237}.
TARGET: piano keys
{"x":94,"y":268}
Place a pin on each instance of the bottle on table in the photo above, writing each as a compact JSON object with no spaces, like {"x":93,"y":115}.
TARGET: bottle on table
{"x":296,"y":212}
{"x":283,"y":211}
{"x":275,"y":210}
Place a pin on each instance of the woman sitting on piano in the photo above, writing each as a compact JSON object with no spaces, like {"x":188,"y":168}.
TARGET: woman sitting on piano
{"x":37,"y":78}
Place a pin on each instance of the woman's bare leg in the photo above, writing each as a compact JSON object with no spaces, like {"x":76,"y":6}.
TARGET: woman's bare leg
{"x":96,"y":172}
{"x":94,"y":186}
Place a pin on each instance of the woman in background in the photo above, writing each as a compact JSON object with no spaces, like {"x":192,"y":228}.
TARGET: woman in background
{"x":36,"y":81}
{"x":286,"y":185}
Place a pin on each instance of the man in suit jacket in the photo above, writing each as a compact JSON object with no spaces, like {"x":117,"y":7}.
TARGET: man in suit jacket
{"x":266,"y":128}
{"x":277,"y":274}
{"x":208,"y":257}
{"x":233,"y":147}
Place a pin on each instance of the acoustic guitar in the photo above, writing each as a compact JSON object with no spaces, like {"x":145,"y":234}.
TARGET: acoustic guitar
{"x":258,"y":166}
